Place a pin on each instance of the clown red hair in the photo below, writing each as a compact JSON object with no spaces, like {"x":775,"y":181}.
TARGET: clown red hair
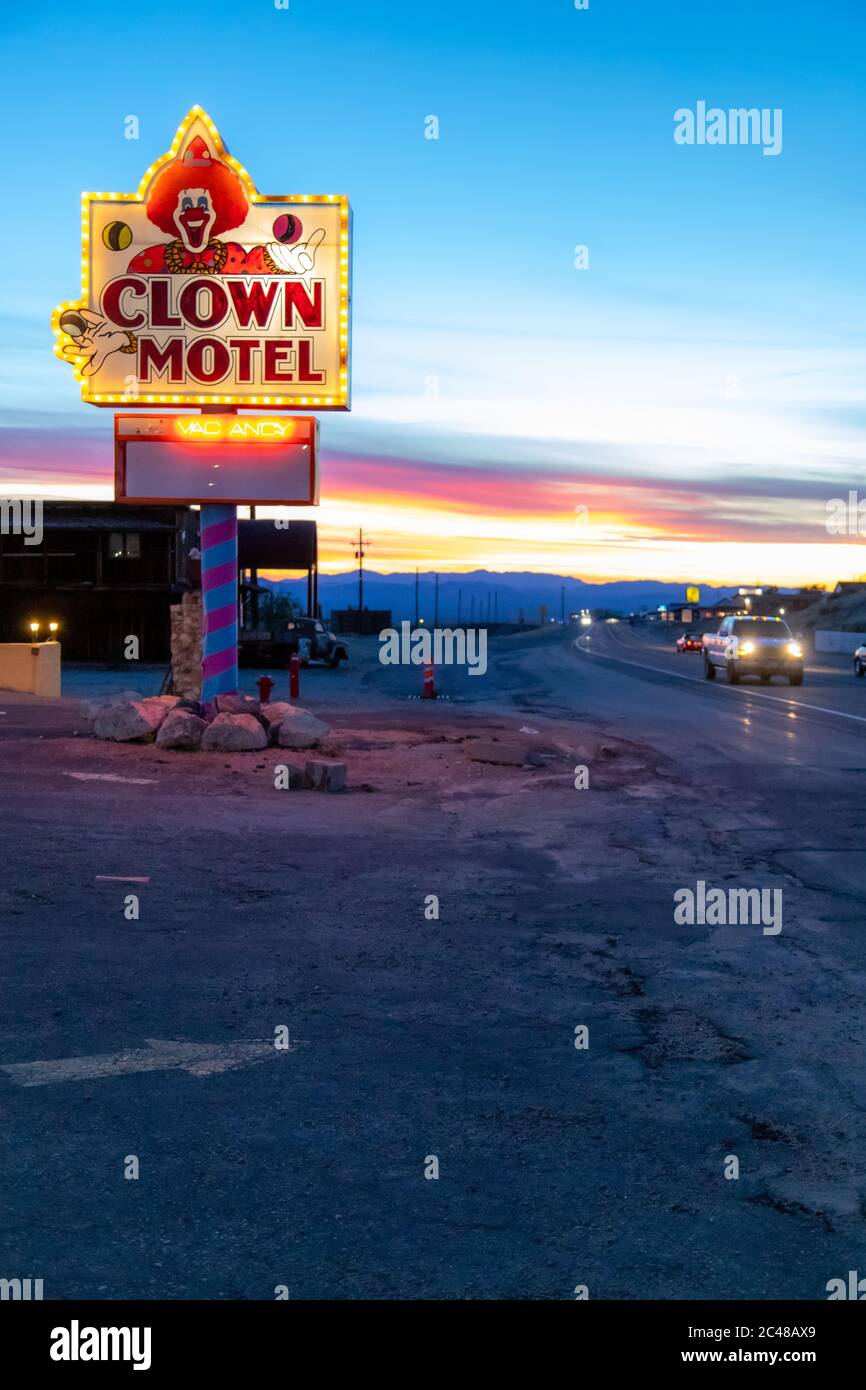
{"x":228,"y":199}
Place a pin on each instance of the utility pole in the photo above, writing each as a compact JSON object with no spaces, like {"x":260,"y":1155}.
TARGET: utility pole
{"x":254,"y":581}
{"x":562,"y":605}
{"x":436,"y":603}
{"x":496,"y":606}
{"x":359,"y":556}
{"x":417,"y":614}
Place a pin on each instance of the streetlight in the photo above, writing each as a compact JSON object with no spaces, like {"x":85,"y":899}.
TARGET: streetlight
{"x":34,"y":628}
{"x":52,"y":627}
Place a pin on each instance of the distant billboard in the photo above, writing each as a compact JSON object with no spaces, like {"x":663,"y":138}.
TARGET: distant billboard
{"x":693,"y":594}
{"x":277,"y":544}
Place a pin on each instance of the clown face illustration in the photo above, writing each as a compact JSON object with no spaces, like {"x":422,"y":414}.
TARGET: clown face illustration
{"x":194,"y":217}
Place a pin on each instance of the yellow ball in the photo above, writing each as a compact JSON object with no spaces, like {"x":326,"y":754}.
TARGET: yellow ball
{"x":117,"y":236}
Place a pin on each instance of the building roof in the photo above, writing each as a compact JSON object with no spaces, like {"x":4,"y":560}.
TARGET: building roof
{"x":111,"y":516}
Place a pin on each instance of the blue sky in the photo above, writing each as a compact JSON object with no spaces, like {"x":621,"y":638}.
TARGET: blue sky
{"x":716,"y":339}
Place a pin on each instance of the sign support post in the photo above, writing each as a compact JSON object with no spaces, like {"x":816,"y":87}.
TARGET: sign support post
{"x":220,"y":597}
{"x":219,"y":594}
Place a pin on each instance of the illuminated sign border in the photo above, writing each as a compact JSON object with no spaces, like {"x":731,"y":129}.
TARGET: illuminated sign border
{"x":309,"y":425}
{"x":339,"y":400}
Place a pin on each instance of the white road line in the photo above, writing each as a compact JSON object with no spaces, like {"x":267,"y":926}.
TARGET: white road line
{"x":110,"y":777}
{"x":741,"y":690}
{"x":119,"y":878}
{"x":199,"y":1059}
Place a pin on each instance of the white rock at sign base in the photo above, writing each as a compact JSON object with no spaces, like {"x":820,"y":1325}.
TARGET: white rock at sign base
{"x":301,"y":729}
{"x":237,"y":704}
{"x":273,"y":715}
{"x":275,"y":711}
{"x":181,"y":729}
{"x":131,"y":721}
{"x":234,"y":733}
{"x":90,"y":708}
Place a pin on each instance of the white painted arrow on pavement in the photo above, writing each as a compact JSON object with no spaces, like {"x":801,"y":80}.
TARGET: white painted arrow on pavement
{"x":199,"y":1059}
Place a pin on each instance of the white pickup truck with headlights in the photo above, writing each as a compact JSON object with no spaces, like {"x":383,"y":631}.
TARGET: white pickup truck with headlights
{"x":762,"y":647}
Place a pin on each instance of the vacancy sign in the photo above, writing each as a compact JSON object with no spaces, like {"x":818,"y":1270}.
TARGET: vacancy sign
{"x":197,"y":290}
{"x":216,"y":458}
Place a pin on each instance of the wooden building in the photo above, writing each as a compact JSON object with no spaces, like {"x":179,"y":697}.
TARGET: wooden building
{"x":103,"y":572}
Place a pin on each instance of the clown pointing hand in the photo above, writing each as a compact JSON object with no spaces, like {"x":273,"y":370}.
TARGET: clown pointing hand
{"x":96,"y":341}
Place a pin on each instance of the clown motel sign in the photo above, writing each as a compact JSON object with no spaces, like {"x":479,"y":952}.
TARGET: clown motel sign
{"x":197,"y":290}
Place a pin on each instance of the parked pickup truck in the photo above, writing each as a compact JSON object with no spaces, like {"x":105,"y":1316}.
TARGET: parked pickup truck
{"x":274,"y":645}
{"x":762,"y":647}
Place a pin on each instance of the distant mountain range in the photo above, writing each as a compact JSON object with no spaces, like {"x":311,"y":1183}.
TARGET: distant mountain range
{"x":508,"y":595}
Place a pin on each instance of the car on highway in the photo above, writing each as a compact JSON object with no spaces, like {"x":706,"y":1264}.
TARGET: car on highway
{"x":860,"y":662}
{"x":753,"y":646}
{"x":690,"y":642}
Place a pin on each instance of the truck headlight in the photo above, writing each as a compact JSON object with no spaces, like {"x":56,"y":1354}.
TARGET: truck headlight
{"x":745,"y":649}
{"x":794,"y":649}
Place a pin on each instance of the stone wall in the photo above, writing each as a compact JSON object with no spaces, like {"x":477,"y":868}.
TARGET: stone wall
{"x":186,"y":620}
{"x":30,"y":666}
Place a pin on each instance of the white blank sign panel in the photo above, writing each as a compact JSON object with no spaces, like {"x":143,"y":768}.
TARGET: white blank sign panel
{"x":154,"y":465}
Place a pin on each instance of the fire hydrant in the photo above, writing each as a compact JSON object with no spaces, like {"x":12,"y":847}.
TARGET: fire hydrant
{"x":265,"y":685}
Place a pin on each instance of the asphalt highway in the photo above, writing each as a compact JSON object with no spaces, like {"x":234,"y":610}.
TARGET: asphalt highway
{"x":830,"y":686}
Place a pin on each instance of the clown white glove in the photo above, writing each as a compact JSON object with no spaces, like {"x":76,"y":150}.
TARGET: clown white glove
{"x":99,"y":340}
{"x":296,"y":260}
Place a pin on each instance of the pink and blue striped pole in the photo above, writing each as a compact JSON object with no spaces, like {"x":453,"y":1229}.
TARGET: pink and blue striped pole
{"x":219,"y":587}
